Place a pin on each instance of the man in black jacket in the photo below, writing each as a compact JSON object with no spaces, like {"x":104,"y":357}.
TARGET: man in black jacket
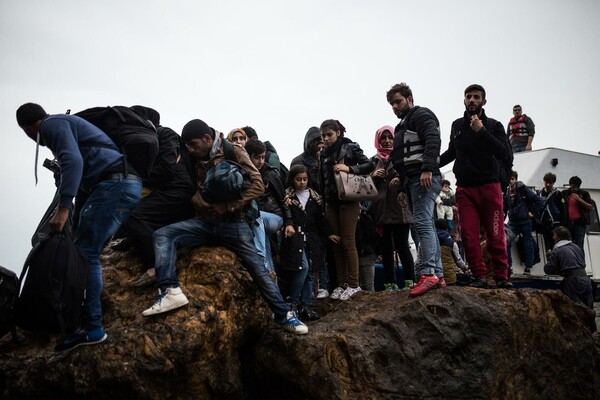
{"x":415,"y":157}
{"x":477,"y":143}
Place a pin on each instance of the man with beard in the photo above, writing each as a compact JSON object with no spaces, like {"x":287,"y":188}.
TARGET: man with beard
{"x":477,"y":143}
{"x":415,"y":157}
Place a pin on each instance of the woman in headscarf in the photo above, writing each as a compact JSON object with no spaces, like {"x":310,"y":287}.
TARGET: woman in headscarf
{"x":392,"y":222}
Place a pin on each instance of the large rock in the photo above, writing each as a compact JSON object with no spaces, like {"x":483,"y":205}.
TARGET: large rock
{"x":453,"y":343}
{"x":450,"y":343}
{"x":189,"y":353}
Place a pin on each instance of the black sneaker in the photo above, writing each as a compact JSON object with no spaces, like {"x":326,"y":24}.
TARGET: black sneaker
{"x":306,"y":314}
{"x":527,"y":271}
{"x":479,"y":283}
{"x":503,"y":284}
{"x":81,"y":337}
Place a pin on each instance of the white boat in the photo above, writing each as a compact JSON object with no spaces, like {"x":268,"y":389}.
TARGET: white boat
{"x":532,"y":166}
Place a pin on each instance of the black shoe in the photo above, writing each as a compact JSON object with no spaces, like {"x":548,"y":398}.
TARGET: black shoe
{"x":503,"y":284}
{"x":479,"y":283}
{"x":527,"y":271}
{"x":306,"y":314}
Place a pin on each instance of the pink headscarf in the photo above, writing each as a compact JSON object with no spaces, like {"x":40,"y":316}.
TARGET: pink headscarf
{"x":382,"y":152}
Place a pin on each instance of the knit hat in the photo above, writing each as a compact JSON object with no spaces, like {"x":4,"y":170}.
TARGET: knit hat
{"x":195,"y":129}
{"x":475,"y":87}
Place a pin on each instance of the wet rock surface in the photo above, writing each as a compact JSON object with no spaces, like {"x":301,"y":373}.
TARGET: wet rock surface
{"x":453,"y":343}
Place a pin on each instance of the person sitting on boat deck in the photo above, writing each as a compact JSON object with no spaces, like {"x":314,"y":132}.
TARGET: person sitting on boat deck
{"x":520,"y":204}
{"x":225,"y":224}
{"x":566,"y":259}
{"x":553,"y":212}
{"x":477,"y":152}
{"x":578,"y":204}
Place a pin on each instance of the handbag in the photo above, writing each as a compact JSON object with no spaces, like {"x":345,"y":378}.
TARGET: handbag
{"x":354,"y":187}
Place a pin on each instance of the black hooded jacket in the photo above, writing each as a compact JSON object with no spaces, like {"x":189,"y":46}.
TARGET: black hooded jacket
{"x":476,"y":153}
{"x":309,"y":157}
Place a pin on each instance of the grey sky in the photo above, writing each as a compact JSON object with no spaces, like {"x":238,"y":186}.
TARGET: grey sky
{"x":283,"y":66}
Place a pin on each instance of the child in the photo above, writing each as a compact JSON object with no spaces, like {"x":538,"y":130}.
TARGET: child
{"x":273,"y":210}
{"x":444,"y":203}
{"x":302,"y":247}
{"x":567,"y":259}
{"x":451,"y":258}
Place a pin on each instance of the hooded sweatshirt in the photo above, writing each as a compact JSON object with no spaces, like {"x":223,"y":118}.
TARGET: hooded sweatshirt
{"x":309,"y":157}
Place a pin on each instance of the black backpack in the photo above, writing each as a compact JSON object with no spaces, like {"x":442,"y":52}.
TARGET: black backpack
{"x":505,"y":165}
{"x":9,"y":290}
{"x":227,"y":180}
{"x":54,"y":280}
{"x":131,"y":132}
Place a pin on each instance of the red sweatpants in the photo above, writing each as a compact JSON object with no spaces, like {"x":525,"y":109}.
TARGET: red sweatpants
{"x":483,"y":205}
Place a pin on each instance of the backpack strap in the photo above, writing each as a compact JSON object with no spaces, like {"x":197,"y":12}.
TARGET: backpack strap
{"x":228,"y":151}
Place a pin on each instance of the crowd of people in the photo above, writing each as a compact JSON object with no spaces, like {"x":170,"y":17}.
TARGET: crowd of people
{"x":290,"y":229}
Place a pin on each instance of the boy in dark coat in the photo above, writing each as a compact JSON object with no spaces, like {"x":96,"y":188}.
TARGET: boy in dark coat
{"x":566,"y":259}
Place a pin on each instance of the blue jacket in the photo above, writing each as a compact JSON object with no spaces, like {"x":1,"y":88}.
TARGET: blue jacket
{"x":82,"y":164}
{"x":519,"y":205}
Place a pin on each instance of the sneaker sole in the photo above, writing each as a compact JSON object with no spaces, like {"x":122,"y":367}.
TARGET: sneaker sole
{"x":102,"y":339}
{"x":149,"y":313}
{"x":294,"y":331}
{"x":436,"y":286}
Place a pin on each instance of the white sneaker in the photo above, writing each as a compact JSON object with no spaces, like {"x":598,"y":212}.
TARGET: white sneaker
{"x":292,"y":324}
{"x":168,"y":300}
{"x":337,"y":292}
{"x":349,"y":293}
{"x":322,"y":294}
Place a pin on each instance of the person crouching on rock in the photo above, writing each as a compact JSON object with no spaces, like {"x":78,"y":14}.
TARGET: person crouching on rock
{"x":566,"y":259}
{"x":224,"y":223}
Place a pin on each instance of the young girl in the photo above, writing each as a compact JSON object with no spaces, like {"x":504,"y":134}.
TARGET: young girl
{"x":392,"y":222}
{"x":303,"y":239}
{"x":341,"y":154}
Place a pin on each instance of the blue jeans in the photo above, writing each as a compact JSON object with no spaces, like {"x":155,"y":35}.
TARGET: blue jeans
{"x":107,"y":207}
{"x":302,"y":284}
{"x":423,"y":202}
{"x":236,"y":236}
{"x":525,"y":230}
{"x":268,"y":224}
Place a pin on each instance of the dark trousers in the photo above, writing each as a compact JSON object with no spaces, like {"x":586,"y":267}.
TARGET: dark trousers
{"x":395,"y":237}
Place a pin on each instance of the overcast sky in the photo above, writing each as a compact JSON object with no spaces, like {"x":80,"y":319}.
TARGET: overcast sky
{"x":283,"y":66}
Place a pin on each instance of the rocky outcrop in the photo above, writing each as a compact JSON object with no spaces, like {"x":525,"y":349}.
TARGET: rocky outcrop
{"x":191,"y":353}
{"x":453,"y":343}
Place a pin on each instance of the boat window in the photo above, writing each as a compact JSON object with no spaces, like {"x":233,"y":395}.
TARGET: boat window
{"x":594,"y":222}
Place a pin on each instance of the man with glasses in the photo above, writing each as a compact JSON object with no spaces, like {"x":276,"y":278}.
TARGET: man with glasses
{"x":520,"y":130}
